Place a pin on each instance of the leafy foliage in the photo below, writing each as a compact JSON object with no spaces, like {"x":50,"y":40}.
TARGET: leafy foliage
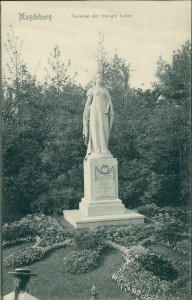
{"x":47,"y":231}
{"x":17,"y":233}
{"x":24,"y":257}
{"x":171,"y":227}
{"x":30,"y":255}
{"x":31,"y":226}
{"x":159,"y":266}
{"x":174,"y":78}
{"x":43,"y":150}
{"x":79,"y":262}
{"x":89,"y":240}
{"x":149,"y":276}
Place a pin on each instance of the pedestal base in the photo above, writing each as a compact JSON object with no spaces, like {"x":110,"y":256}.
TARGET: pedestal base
{"x":101,"y":205}
{"x":101,"y":208}
{"x":80,"y":220}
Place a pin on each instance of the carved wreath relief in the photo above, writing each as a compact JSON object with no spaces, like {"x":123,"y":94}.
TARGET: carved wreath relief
{"x":105,"y":182}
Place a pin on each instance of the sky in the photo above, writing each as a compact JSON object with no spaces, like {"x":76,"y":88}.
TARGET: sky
{"x":139,"y":31}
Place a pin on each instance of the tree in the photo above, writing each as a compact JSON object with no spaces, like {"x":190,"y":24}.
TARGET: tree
{"x":62,"y":156}
{"x":173,"y":117}
{"x":43,"y":150}
{"x":174,"y":78}
{"x":57,"y":75}
{"x":116,"y":74}
{"x":23,"y":133}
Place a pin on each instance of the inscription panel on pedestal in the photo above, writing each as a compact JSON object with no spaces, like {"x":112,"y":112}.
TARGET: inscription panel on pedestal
{"x":104,"y":182}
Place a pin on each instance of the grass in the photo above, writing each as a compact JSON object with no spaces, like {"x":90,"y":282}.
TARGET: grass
{"x":9,"y":250}
{"x":168,"y":253}
{"x":53,"y":283}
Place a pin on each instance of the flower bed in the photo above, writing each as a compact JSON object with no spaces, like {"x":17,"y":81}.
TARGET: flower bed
{"x":30,"y":255}
{"x":92,"y":239}
{"x":173,"y":234}
{"x":150,"y":276}
{"x":24,"y":257}
{"x":171,"y":227}
{"x":17,"y":233}
{"x":160,"y":214}
{"x":79,"y":262}
{"x":41,"y":223}
{"x":50,"y":236}
{"x":159,"y":266}
{"x":183,"y":246}
{"x":31,"y":226}
{"x":87,"y":245}
{"x":129,"y":235}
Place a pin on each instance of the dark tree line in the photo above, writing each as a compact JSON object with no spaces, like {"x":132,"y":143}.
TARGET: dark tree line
{"x":43,"y":150}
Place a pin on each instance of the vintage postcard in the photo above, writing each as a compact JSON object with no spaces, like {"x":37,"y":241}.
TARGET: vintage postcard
{"x":95,"y":149}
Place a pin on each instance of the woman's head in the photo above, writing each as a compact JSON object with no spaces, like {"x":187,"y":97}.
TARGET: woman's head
{"x":99,"y":78}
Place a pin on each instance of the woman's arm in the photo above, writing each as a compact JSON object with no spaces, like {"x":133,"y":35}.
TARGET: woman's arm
{"x":109,"y":109}
{"x":86,"y":115}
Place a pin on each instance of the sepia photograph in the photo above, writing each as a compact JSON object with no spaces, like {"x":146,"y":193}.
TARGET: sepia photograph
{"x":95,"y":150}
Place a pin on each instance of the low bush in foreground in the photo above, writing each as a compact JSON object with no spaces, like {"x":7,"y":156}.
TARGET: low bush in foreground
{"x":174,"y":234}
{"x":30,"y":255}
{"x":149,"y":210}
{"x":129,"y":235}
{"x":184,"y":247}
{"x":158,"y":265}
{"x":171,"y":227}
{"x":92,"y":239}
{"x":149,"y":276}
{"x":162,"y":214}
{"x":24,"y":257}
{"x":79,"y":262}
{"x":30,"y":226}
{"x":88,"y":245}
{"x":17,"y":233}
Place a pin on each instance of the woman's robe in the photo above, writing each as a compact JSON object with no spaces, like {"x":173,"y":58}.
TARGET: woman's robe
{"x":97,"y":120}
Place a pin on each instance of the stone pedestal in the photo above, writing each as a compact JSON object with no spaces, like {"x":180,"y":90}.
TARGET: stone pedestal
{"x":101,"y":205}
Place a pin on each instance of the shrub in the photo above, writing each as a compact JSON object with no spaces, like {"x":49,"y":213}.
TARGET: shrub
{"x":171,"y":230}
{"x":159,"y":266}
{"x":184,"y":247}
{"x":89,"y":240}
{"x":17,"y":233}
{"x":30,"y":255}
{"x":179,"y":214}
{"x":30,"y":226}
{"x":130,"y":235}
{"x":149,"y":210}
{"x":117,"y":234}
{"x":134,"y":277}
{"x":53,"y":236}
{"x":24,"y":257}
{"x":79,"y":262}
{"x":41,"y":223}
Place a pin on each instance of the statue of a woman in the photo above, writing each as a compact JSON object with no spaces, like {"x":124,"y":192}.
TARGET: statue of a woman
{"x":97,"y":120}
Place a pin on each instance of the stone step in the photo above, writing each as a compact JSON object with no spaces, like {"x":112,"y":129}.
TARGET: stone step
{"x":80,"y":220}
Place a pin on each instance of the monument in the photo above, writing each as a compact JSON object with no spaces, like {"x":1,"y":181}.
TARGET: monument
{"x":100,"y":205}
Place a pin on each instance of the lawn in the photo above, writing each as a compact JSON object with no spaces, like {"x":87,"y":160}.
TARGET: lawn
{"x":155,"y":264}
{"x":53,"y":283}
